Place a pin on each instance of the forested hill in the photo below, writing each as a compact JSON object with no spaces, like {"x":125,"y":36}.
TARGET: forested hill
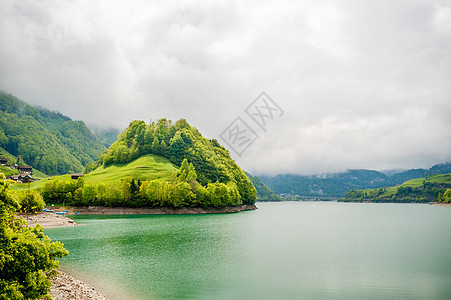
{"x":338,"y":184}
{"x":264,"y":193}
{"x":214,"y":171}
{"x":48,"y":141}
{"x":421,"y":190}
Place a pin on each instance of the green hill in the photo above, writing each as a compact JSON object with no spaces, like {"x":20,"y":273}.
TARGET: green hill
{"x":48,"y":141}
{"x":188,"y":170}
{"x":264,"y":193}
{"x":426,"y":189}
{"x":176,"y":142}
{"x":338,"y":184}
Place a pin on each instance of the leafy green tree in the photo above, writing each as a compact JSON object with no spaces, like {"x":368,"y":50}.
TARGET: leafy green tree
{"x":89,"y":194}
{"x":31,"y":201}
{"x":101,"y":193}
{"x":447,"y":196}
{"x":155,"y":146}
{"x":440,"y":197}
{"x":20,"y":160}
{"x":28,"y":258}
{"x":3,"y":139}
{"x":181,"y":195}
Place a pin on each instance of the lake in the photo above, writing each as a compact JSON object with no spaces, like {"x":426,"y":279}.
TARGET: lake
{"x":288,"y":250}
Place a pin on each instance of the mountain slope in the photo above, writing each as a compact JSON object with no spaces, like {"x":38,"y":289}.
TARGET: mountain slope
{"x":337,"y":184}
{"x":425,"y":189}
{"x":264,"y":193}
{"x":48,"y":141}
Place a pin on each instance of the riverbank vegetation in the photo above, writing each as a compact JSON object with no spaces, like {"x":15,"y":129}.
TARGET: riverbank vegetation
{"x":436,"y":188}
{"x":182,"y":189}
{"x":28,"y":259}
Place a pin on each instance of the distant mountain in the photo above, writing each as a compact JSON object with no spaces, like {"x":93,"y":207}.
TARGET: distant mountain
{"x":264,"y":193}
{"x":48,"y":141}
{"x":106,"y":136}
{"x":337,"y":184}
{"x":432,"y":188}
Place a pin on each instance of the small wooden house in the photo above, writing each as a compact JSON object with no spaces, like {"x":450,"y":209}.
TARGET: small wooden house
{"x":76,"y":176}
{"x":3,"y":161}
{"x":23,"y":178}
{"x":25,"y":169}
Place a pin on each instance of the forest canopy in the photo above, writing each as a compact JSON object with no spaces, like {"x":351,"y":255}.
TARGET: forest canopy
{"x":46,"y":140}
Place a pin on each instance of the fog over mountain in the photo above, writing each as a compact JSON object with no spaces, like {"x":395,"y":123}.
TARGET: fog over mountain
{"x":358,"y":84}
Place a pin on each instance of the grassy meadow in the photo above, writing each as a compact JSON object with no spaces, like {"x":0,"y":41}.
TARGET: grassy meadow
{"x":146,"y":167}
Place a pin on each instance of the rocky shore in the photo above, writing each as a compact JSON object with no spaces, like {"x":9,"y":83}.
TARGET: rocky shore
{"x":66,"y":287}
{"x":101,"y":210}
{"x":48,"y":220}
{"x":442,"y":204}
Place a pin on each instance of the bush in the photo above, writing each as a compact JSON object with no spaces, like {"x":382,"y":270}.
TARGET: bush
{"x":27,"y":256}
{"x":31,"y":201}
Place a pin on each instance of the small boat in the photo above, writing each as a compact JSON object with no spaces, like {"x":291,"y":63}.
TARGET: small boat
{"x":59,"y":213}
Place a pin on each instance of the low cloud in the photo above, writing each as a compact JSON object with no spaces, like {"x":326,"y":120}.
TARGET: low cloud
{"x":363,"y":85}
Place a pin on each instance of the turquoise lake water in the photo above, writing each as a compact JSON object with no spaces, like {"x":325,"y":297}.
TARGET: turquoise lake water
{"x":288,"y":250}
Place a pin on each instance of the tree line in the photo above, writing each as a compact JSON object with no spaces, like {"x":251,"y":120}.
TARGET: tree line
{"x":184,"y":191}
{"x":427,"y":192}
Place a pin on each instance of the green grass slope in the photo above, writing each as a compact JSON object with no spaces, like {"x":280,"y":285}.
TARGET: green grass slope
{"x":424,"y":189}
{"x":146,"y":167}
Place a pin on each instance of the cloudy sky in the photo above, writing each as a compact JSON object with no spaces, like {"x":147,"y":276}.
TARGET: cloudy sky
{"x":362,"y":84}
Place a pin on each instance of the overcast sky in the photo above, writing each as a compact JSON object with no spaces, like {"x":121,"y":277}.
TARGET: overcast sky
{"x":362,"y":84}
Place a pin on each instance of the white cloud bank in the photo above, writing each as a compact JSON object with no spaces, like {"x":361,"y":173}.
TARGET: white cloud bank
{"x":364,"y":84}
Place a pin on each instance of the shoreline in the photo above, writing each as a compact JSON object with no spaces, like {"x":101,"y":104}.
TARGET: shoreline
{"x":442,"y":204}
{"x":65,"y":286}
{"x":47,"y":220}
{"x":102,"y":210}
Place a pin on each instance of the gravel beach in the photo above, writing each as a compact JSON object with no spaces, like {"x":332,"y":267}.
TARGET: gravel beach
{"x":64,"y":286}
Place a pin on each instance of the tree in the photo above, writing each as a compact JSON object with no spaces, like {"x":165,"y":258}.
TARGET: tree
{"x":155,"y":146}
{"x":187,"y":173}
{"x":31,"y":201}
{"x":447,"y":196}
{"x":20,"y":160}
{"x":27,"y":256}
{"x":181,"y":194}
